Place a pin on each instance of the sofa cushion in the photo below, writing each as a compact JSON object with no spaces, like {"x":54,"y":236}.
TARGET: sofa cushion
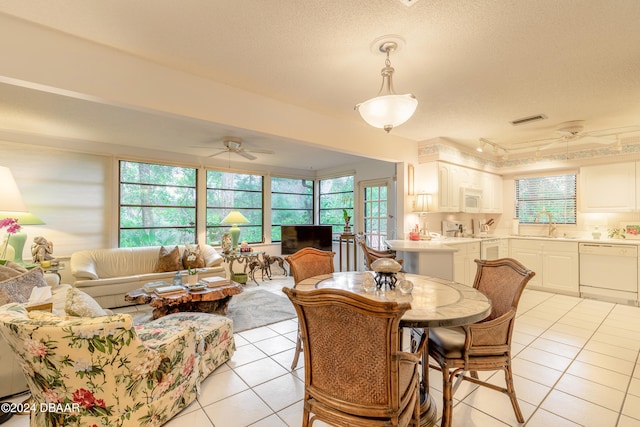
{"x":18,"y":288}
{"x":80,"y":304}
{"x":168,"y":260}
{"x":191,"y":257}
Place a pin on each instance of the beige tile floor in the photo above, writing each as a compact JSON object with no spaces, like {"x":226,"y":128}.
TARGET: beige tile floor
{"x":575,"y":364}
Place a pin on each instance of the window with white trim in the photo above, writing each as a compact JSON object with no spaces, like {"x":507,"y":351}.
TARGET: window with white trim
{"x":291,"y":204}
{"x":230,"y":191}
{"x":157,"y":204}
{"x":556,"y":194}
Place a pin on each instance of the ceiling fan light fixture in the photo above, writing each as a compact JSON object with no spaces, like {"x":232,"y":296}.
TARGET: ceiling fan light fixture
{"x":387,"y":109}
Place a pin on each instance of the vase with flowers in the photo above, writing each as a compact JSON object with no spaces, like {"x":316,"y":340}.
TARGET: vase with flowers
{"x":12,"y":226}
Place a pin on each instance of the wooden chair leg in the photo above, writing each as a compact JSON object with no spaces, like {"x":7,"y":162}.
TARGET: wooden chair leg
{"x":298,"y":350}
{"x":447,"y":397}
{"x":512,"y":393}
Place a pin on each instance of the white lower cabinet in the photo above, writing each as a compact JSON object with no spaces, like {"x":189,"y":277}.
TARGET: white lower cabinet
{"x":464,"y":266}
{"x":556,"y":264}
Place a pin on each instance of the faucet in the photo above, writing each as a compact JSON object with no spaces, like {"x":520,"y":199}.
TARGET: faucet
{"x":552,"y":226}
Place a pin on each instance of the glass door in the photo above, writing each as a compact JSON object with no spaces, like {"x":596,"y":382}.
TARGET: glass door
{"x":374,"y":196}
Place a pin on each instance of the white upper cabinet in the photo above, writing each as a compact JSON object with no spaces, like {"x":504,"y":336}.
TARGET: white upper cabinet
{"x":609,"y":188}
{"x":491,"y":193}
{"x":444,"y":181}
{"x":448,"y":188}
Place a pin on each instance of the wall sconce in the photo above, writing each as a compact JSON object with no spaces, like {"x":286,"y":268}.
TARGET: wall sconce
{"x":421,"y":202}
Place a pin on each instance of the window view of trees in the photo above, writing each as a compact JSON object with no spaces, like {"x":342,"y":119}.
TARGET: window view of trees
{"x":157,"y":204}
{"x":555,"y":194}
{"x":336,"y":196}
{"x":228,"y":191}
{"x":291,"y":204}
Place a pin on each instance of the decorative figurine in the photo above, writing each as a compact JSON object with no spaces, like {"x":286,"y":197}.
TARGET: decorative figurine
{"x":226,"y":243}
{"x":42,"y":249}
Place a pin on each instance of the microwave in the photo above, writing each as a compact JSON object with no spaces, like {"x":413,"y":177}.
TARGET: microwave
{"x":470,"y":199}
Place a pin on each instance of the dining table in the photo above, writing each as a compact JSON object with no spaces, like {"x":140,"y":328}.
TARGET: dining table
{"x":434,"y":303}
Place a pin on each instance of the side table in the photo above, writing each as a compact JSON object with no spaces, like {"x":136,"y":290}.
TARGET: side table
{"x":348,"y":239}
{"x":246,"y":258}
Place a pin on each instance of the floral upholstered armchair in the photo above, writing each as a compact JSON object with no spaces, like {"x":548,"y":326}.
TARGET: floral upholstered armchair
{"x":103,"y":371}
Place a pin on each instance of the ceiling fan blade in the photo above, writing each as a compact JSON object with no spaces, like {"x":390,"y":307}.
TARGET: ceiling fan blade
{"x":589,"y":139}
{"x":613,"y":131}
{"x":533,"y":141}
{"x":246,"y":155}
{"x":218,"y":153}
{"x":259,"y":151}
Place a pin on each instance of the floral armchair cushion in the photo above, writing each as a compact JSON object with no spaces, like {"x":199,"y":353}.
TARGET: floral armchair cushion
{"x":98,"y":372}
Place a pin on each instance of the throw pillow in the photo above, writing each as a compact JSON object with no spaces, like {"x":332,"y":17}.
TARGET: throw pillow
{"x":82,"y":305}
{"x":18,"y":288}
{"x":192,"y":258}
{"x":211,"y":257}
{"x":168,"y":260}
{"x":17,"y":267}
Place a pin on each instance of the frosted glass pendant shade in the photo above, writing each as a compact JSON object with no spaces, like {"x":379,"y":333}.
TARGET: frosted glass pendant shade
{"x":388,"y":111}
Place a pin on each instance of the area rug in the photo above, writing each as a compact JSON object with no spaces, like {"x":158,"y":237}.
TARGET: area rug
{"x":257,"y":308}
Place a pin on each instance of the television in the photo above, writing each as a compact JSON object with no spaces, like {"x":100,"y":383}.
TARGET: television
{"x":296,"y":237}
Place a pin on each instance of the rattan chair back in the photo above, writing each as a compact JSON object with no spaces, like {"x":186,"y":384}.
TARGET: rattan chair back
{"x":309,"y":262}
{"x":355,"y":373}
{"x":370,"y":254}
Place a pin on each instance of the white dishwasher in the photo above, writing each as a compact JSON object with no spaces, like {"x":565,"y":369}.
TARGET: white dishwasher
{"x":609,"y":271}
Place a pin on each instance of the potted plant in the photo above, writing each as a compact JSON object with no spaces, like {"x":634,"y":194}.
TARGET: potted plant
{"x":347,"y":218}
{"x":192,"y":277}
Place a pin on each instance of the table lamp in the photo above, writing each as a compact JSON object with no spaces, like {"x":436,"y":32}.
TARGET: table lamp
{"x":12,"y":206}
{"x":234,"y":218}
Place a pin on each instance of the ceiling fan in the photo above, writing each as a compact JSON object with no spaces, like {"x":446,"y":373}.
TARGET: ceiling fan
{"x":232,"y":144}
{"x":574,"y":131}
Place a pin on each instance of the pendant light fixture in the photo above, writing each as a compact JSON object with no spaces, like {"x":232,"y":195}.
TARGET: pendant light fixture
{"x":387,"y":110}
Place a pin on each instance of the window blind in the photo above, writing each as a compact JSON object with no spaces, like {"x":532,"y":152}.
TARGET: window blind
{"x":555,"y":194}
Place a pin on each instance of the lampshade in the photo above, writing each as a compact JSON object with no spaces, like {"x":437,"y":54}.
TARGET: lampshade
{"x":421,"y":203}
{"x":10,"y":197}
{"x":387,"y":110}
{"x":234,"y":217}
{"x":12,"y":206}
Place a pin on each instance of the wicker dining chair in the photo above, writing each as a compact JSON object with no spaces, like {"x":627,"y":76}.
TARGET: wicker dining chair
{"x":355,"y":373}
{"x":370,"y":254}
{"x":485,"y":345}
{"x":305,"y":263}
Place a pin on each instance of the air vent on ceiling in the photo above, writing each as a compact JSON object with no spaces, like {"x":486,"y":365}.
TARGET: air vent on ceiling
{"x":528,"y":119}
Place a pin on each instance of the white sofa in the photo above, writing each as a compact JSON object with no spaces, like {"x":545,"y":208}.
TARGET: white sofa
{"x":108,"y":274}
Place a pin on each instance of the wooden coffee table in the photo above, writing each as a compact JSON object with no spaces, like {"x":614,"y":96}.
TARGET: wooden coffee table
{"x":209,"y":300}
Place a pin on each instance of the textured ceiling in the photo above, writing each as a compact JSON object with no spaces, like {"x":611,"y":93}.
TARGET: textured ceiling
{"x":474,"y":65}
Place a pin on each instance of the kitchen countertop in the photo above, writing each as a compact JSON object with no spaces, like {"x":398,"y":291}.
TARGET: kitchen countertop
{"x":447,"y":244}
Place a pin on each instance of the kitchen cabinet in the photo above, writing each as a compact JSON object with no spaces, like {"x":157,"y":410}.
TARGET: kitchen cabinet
{"x":444,"y":181}
{"x":464,"y":266}
{"x":609,"y":188}
{"x":491,"y":193}
{"x":555,"y":263}
{"x":448,"y":188}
